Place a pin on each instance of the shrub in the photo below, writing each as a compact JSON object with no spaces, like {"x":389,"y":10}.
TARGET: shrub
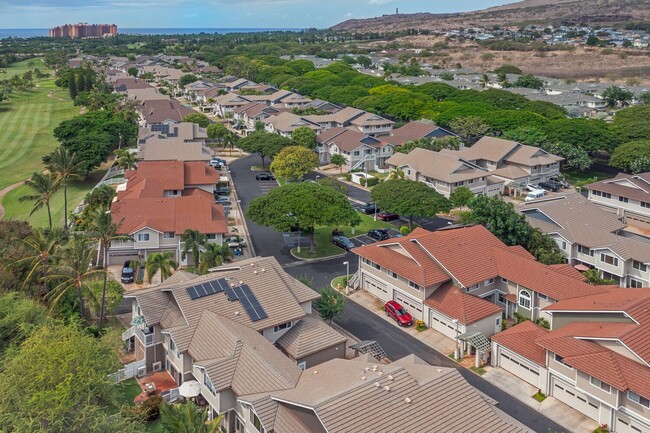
{"x":543,"y":323}
{"x":602,"y":429}
{"x":420,"y":325}
{"x":372,"y":181}
{"x":404,"y":230}
{"x":146,"y":411}
{"x":539,"y":396}
{"x":347,"y":176}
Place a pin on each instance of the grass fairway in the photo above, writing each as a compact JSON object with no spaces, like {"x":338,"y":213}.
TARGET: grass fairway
{"x":28,"y":119}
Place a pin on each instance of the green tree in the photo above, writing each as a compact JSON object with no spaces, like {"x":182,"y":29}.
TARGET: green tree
{"x":461,"y":196}
{"x":544,"y":248}
{"x":194,"y":241}
{"x":575,"y":157}
{"x":450,"y":142}
{"x":527,"y":135}
{"x":216,"y":131}
{"x":595,"y":278}
{"x":529,"y":81}
{"x":630,"y":124}
{"x":627,"y":154}
{"x":484,"y":82}
{"x":265,"y":144}
{"x":331,"y":303}
{"x":200,"y":119}
{"x":303,"y":204}
{"x":500,"y":218}
{"x":126,"y":160}
{"x":592,"y":41}
{"x":132,"y":71}
{"x":66,"y":167}
{"x":395,"y":173}
{"x":409,"y":198}
{"x":44,"y":187}
{"x":645,"y":98}
{"x":214,"y":255}
{"x":38,"y":250}
{"x":163,"y":262}
{"x":187,"y":79}
{"x":104,"y":231}
{"x":617,"y":96}
{"x":231,"y":140}
{"x":591,"y":135}
{"x":293,"y":162}
{"x":72,"y":86}
{"x":364,"y":61}
{"x":471,"y":127}
{"x":305,"y":137}
{"x":508,"y":69}
{"x":19,"y":317}
{"x":187,"y":418}
{"x":339,"y":161}
{"x":335,"y":184}
{"x":112,"y":296}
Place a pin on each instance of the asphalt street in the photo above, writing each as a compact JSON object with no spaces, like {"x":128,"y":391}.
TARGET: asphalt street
{"x":356,"y":319}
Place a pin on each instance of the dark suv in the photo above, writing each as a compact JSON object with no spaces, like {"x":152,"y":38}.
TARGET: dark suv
{"x":379,"y":234}
{"x":343,"y":242}
{"x":368,"y":208}
{"x":127,"y":273}
{"x":550,"y":186}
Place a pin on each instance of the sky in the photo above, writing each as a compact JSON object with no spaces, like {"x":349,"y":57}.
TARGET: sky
{"x":17,"y":14}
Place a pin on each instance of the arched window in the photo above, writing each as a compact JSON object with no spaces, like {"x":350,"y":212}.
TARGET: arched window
{"x":524,"y":299}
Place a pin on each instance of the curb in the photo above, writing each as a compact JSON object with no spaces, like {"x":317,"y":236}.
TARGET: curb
{"x":320,"y":259}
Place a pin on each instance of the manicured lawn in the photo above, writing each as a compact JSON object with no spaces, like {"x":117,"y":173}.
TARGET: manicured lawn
{"x":16,"y":210}
{"x":339,"y":280}
{"x":583,"y":177}
{"x":127,"y":391}
{"x":28,"y":119}
{"x":323,"y":238}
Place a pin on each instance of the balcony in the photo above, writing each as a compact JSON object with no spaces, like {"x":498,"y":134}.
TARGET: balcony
{"x":144,"y":335}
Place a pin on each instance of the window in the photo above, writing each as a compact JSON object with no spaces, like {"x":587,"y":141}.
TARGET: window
{"x":376,"y":266}
{"x":393,"y":274}
{"x":597,"y":193}
{"x":356,"y":153}
{"x":504,"y":280}
{"x":472,"y":287}
{"x":282,"y":327}
{"x":256,"y":422}
{"x":208,"y":384}
{"x":635,"y":284}
{"x":498,"y":321}
{"x":535,"y":167}
{"x":169,"y":235}
{"x":502,"y":298}
{"x":482,"y":179}
{"x":605,"y":258}
{"x":623,"y":199}
{"x":489,"y":282}
{"x":239,"y":425}
{"x":645,"y":204}
{"x":638,"y":399}
{"x":408,"y":172}
{"x":471,"y":181}
{"x":172,"y":346}
{"x":598,"y":383}
{"x":143,"y":237}
{"x":174,"y":192}
{"x":584,"y":250}
{"x":563,"y":245}
{"x":211,"y":236}
{"x":640,"y":266}
{"x":524,"y":299}
{"x":544,"y":297}
{"x":560,"y":360}
{"x":413,"y":285}
{"x":607,"y":195}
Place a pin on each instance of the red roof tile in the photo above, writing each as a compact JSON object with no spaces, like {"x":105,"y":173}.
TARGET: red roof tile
{"x":634,"y":302}
{"x":521,"y":339}
{"x":569,"y":271}
{"x":454,"y":303}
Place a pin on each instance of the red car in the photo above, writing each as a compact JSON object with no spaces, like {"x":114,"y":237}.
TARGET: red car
{"x":387,"y":216}
{"x":397,"y":312}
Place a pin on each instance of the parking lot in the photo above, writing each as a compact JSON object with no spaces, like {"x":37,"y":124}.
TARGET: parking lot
{"x":364,"y":239}
{"x":266,"y":185}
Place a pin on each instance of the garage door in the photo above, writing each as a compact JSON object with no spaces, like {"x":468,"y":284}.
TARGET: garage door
{"x":626,"y":425}
{"x":566,"y":393}
{"x":519,"y":367}
{"x":375,"y":288}
{"x":444,"y":325}
{"x":119,"y":257}
{"x":412,"y":306}
{"x":637,"y":220}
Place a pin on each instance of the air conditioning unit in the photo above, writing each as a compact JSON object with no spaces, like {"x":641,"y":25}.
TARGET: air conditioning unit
{"x":157,"y":366}
{"x":142,"y":371}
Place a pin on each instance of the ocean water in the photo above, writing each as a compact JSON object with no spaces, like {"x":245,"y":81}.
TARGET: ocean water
{"x":32,"y":33}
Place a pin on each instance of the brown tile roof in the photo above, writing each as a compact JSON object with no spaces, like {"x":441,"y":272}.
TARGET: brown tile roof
{"x":310,"y":335}
{"x":531,"y":156}
{"x":456,"y":304}
{"x":444,"y":166}
{"x":289,"y":122}
{"x":521,"y":339}
{"x":159,"y":111}
{"x":412,"y":131}
{"x":348,"y":139}
{"x":636,"y":187}
{"x":124,"y":84}
{"x":490,"y":149}
{"x":370,"y":119}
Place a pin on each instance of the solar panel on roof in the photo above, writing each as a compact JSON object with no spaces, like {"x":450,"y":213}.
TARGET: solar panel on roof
{"x":208,"y":288}
{"x":200,"y":289}
{"x":250,"y":303}
{"x":191,"y":291}
{"x":232,"y":296}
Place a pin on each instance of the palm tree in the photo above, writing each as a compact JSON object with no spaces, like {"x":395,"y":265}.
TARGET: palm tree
{"x":163,"y":262}
{"x":214,"y":255}
{"x":187,"y":418}
{"x":194,"y":241}
{"x":44,"y":185}
{"x":104,"y":231}
{"x":395,"y":173}
{"x":259,"y":126}
{"x":484,"y":81}
{"x":126,"y":160}
{"x":230,"y":140}
{"x":74,"y":270}
{"x":39,"y":250}
{"x":67,"y":167}
{"x":502,"y":79}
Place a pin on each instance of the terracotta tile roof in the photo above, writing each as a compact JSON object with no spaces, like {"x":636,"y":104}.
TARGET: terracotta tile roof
{"x":636,"y":187}
{"x":569,"y":271}
{"x":511,"y":297}
{"x":466,"y":308}
{"x":634,"y":302}
{"x":521,"y":339}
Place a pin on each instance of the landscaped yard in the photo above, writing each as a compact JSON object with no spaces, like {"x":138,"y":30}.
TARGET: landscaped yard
{"x":583,"y":177}
{"x":130,"y":389}
{"x":323,"y":238}
{"x":28,"y":119}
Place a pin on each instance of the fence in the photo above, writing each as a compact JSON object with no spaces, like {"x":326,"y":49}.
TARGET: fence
{"x":129,"y":371}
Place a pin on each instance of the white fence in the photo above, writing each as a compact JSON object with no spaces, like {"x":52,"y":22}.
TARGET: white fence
{"x":129,"y":371}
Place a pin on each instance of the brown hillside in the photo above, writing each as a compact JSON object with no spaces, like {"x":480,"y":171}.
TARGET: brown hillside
{"x":595,"y":12}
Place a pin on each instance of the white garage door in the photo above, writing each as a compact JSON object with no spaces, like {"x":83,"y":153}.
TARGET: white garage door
{"x":519,"y":367}
{"x":412,"y":306}
{"x":626,"y":425}
{"x":375,"y":288}
{"x":444,"y":325}
{"x":566,"y":393}
{"x":119,"y":257}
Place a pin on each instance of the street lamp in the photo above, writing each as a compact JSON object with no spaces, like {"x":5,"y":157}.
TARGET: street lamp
{"x":457,"y":354}
{"x":347,"y":276}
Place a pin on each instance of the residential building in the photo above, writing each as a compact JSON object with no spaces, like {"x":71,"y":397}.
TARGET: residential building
{"x":311,"y":342}
{"x":627,"y":195}
{"x":226,"y":104}
{"x":124,"y":84}
{"x":595,"y":358}
{"x":178,"y":142}
{"x":416,"y":131}
{"x":160,"y":200}
{"x":361,"y":151}
{"x":591,"y":237}
{"x":463,"y":280}
{"x":247,"y":116}
{"x":162,"y":111}
{"x":445,"y":171}
{"x":285,"y":123}
{"x":354,"y":118}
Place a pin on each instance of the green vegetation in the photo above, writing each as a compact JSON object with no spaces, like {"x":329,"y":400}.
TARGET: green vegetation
{"x":539,"y":396}
{"x":339,"y":282}
{"x":330,"y":304}
{"x":478,"y":370}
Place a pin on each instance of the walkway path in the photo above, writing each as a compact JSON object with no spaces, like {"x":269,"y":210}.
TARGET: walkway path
{"x":4,"y":192}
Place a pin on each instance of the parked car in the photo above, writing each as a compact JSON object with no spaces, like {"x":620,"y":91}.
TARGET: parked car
{"x":222,"y":190}
{"x":368,"y":208}
{"x":128,"y":275}
{"x":222,"y":200}
{"x":396,"y":311}
{"x":264,"y":176}
{"x":217,"y":162}
{"x":235,"y":241}
{"x":563,"y":183}
{"x":379,"y":234}
{"x":387,"y":216}
{"x":534,"y":195}
{"x":343,"y":242}
{"x":532,"y":188}
{"x":550,"y":186}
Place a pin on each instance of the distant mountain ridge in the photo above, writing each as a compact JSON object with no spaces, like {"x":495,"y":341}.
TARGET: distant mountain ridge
{"x":591,"y":12}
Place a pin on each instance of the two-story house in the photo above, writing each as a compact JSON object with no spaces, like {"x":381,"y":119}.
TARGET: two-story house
{"x":627,"y":195}
{"x":160,"y":200}
{"x":591,"y":237}
{"x":161,"y":111}
{"x":595,"y":358}
{"x":179,"y":142}
{"x":361,"y":151}
{"x":248,"y":115}
{"x":226,"y":104}
{"x":353,"y":118}
{"x":285,"y":123}
{"x":463,"y":279}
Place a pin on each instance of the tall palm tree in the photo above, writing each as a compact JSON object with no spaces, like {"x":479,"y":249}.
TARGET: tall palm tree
{"x":214,"y":255}
{"x":163,"y":262}
{"x":104,"y":231}
{"x":395,"y":173}
{"x":230,"y":140}
{"x":194,"y":241}
{"x":67,"y":167}
{"x":187,"y":418}
{"x":74,"y":270}
{"x":44,"y":186}
{"x":126,"y":160}
{"x":40,"y":248}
